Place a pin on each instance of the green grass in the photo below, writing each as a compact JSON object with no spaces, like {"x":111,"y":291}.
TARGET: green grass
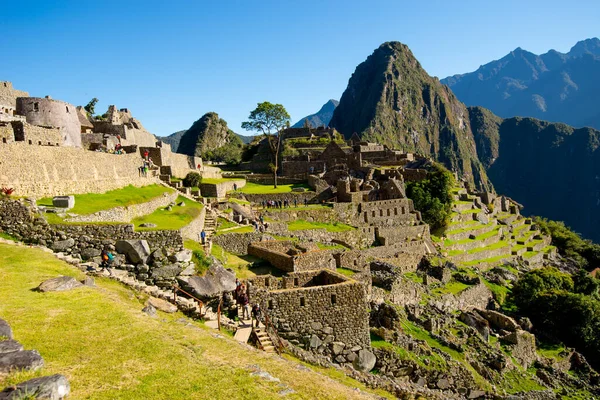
{"x":309,"y":207}
{"x":412,"y":276}
{"x":483,"y":236}
{"x":551,"y":350}
{"x":452,"y":287}
{"x":127,"y":196}
{"x":255,"y":188}
{"x":6,"y":236}
{"x":239,"y":229}
{"x":330,"y":246}
{"x":300,"y":225}
{"x":108,"y":349}
{"x":490,"y":260}
{"x":346,"y":272}
{"x":219,"y":180}
{"x":471,"y":227}
{"x":175,"y":219}
{"x":222,"y":223}
{"x":530,"y":254}
{"x":201,"y":261}
{"x":499,"y":292}
{"x":241,"y":264}
{"x":516,"y":381}
{"x":238,"y":201}
{"x":497,"y":245}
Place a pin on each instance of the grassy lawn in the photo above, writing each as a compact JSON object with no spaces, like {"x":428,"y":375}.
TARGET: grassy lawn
{"x":255,"y":188}
{"x":239,"y":229}
{"x":219,"y":180}
{"x":452,"y":287}
{"x":241,"y":264}
{"x":345,"y":271}
{"x":300,"y":225}
{"x":177,"y":218}
{"x":108,"y":349}
{"x":127,"y":196}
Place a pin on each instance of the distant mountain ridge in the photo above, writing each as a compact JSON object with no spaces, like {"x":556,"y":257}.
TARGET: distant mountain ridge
{"x":552,"y":86}
{"x":321,"y":117}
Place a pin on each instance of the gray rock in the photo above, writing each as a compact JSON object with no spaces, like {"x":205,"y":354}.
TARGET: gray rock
{"x":316,"y":326}
{"x":10,"y":346}
{"x":62,"y":245}
{"x":328,"y":330}
{"x":351,"y":357}
{"x":216,"y":281}
{"x":59,"y":284}
{"x":150,"y":310}
{"x":162,"y":305}
{"x":443,"y":384}
{"x":55,"y":387}
{"x":169,"y":271}
{"x":137,"y":251}
{"x":89,"y":281}
{"x":475,"y":394}
{"x":29,"y":360}
{"x":90,"y":253}
{"x":63,"y":201}
{"x":5,"y":329}
{"x":181,"y":204}
{"x":337,"y":347}
{"x":188,"y":271}
{"x":315,"y":341}
{"x":181,"y":256}
{"x":365,"y":361}
{"x":148,"y":225}
{"x":340,"y":359}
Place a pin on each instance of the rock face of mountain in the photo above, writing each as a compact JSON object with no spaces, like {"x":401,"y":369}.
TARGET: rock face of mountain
{"x":390,"y":99}
{"x":552,"y":86}
{"x":550,"y":168}
{"x":206,"y":134}
{"x":173,"y":139}
{"x":321,"y":117}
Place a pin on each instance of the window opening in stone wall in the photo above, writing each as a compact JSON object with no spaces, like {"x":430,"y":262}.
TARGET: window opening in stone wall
{"x":381,"y":213}
{"x":30,"y":142}
{"x":302,"y":302}
{"x":395,"y":211}
{"x":36,"y":106}
{"x":270,"y":304}
{"x":39,"y":142}
{"x":67,"y":107}
{"x":373,"y":212}
{"x":267,"y":282}
{"x":295,"y":281}
{"x":3,"y":140}
{"x":388,"y":212}
{"x":333,"y":299}
{"x":5,"y":84}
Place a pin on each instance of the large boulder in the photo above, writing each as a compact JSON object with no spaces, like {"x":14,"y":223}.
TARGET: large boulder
{"x":161,"y":305}
{"x":168,"y":271}
{"x":55,"y":387}
{"x":244,"y":211}
{"x":62,"y":245}
{"x":137,"y":251}
{"x":89,"y":253}
{"x":59,"y":284}
{"x":5,"y":329}
{"x":365,"y":361}
{"x":216,"y":281}
{"x":29,"y":360}
{"x":181,"y":256}
{"x":10,"y":346}
{"x":63,"y":201}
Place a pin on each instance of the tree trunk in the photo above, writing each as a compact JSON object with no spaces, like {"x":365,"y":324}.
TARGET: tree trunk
{"x":275,"y":172}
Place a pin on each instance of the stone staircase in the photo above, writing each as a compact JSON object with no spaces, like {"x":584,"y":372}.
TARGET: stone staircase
{"x":210,"y":224}
{"x":263,"y":340}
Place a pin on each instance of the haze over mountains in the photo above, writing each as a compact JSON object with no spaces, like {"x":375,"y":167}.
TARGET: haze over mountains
{"x":552,"y":86}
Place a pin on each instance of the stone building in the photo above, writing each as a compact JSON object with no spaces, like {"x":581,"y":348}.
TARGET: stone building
{"x":316,"y":308}
{"x":48,"y":112}
{"x":8,"y":99}
{"x":120,"y":123}
{"x":290,"y":257}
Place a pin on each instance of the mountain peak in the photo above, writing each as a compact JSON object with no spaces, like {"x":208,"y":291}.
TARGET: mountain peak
{"x":587,"y":46}
{"x":321,"y":117}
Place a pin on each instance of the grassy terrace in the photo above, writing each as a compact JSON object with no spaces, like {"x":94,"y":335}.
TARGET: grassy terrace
{"x":255,"y":188}
{"x":473,"y":225}
{"x":175,"y":219}
{"x":108,"y":349}
{"x":300,"y":225}
{"x":219,"y":180}
{"x":127,"y":196}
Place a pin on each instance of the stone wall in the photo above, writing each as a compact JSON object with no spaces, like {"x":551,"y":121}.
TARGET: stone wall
{"x":236,"y":243}
{"x":19,"y":220}
{"x":298,"y":196}
{"x":126,"y":214}
{"x":400,"y":234}
{"x":387,"y":212}
{"x":20,"y":131}
{"x":274,"y":252}
{"x":318,"y":315}
{"x":49,"y":112}
{"x":8,"y":95}
{"x":180,"y":164}
{"x":48,"y":171}
{"x":220,"y":189}
{"x":193,"y":229}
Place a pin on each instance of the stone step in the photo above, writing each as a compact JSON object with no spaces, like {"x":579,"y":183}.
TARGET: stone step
{"x":269,"y":349}
{"x":243,"y":334}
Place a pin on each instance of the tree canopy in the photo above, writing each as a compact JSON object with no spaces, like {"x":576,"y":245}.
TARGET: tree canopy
{"x":90,"y":108}
{"x":433,"y":196}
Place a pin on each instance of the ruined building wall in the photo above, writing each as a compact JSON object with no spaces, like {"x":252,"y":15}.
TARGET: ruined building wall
{"x":47,"y":171}
{"x":8,"y":97}
{"x":55,"y":113}
{"x":20,"y":131}
{"x":336,"y":312}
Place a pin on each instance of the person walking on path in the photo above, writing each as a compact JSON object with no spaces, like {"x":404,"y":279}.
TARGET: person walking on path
{"x":203,"y":236}
{"x":257,"y":314}
{"x":245,"y":303}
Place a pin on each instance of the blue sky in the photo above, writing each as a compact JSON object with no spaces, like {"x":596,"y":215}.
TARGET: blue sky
{"x":170,"y":62}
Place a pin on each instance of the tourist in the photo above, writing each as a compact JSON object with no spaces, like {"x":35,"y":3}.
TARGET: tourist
{"x":245,"y":303}
{"x":257,"y":314}
{"x":234,"y":186}
{"x":261,"y":218}
{"x":146,"y":154}
{"x":107,"y":259}
{"x":305,"y":202}
{"x":203,"y":236}
{"x":295,"y":203}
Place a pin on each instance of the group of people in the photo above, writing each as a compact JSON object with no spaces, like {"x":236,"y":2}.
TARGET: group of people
{"x":147,"y":163}
{"x":285,"y":203}
{"x":241,"y":297}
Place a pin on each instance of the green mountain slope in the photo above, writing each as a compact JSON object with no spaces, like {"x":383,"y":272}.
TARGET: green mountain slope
{"x":390,"y":99}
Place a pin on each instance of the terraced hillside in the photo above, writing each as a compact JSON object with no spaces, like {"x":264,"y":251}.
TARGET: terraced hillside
{"x":486,"y":235}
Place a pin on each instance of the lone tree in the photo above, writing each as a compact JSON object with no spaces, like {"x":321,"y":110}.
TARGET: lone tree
{"x":270,"y":120}
{"x":90,"y":107}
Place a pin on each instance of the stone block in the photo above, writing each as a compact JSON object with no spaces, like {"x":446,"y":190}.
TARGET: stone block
{"x":365,"y":361}
{"x":5,"y":329}
{"x":60,"y":284}
{"x":10,"y":346}
{"x":63,"y":201}
{"x":29,"y":360}
{"x":54,"y":387}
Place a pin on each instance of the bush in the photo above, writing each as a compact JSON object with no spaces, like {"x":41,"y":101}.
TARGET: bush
{"x":202,"y":262}
{"x":192,"y":179}
{"x":433,"y":196}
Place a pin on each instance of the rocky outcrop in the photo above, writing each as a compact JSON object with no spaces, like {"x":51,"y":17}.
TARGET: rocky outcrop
{"x":207,"y":134}
{"x":60,"y":284}
{"x":320,"y":118}
{"x":55,"y":387}
{"x":29,"y":360}
{"x":216,"y":281}
{"x":5,"y":330}
{"x":390,"y":99}
{"x":137,"y":251}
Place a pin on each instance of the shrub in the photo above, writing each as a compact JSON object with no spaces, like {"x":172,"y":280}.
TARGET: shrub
{"x":433,"y":196}
{"x":5,"y":191}
{"x":192,"y":179}
{"x":202,"y":262}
